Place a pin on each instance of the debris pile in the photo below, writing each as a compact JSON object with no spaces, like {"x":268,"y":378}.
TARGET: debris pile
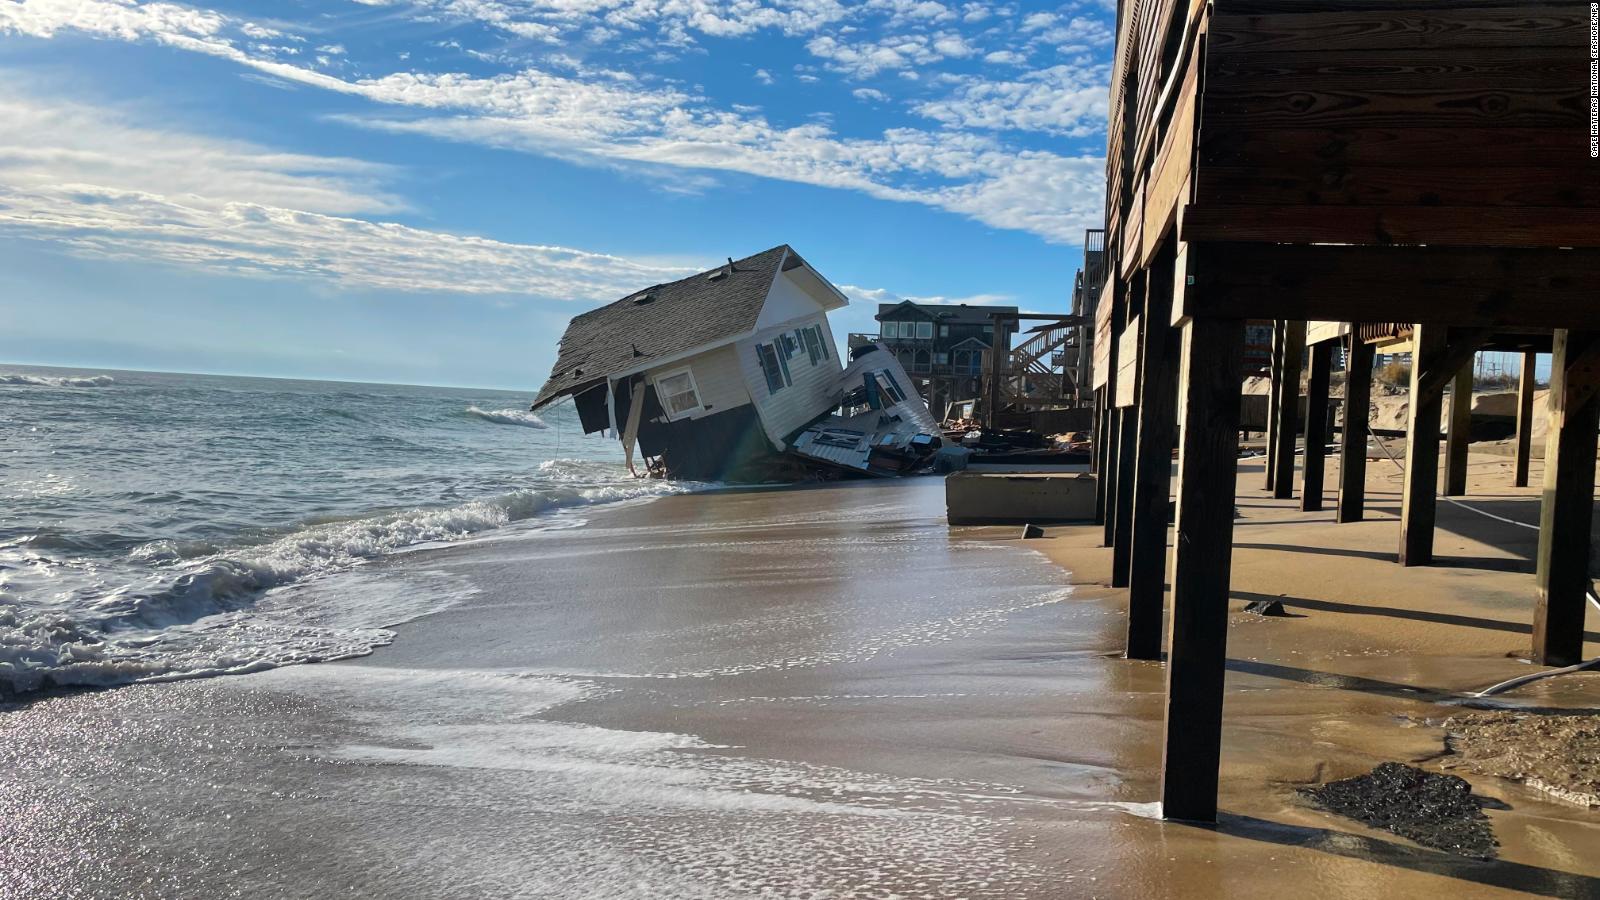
{"x":1556,"y":754}
{"x":1435,"y":810}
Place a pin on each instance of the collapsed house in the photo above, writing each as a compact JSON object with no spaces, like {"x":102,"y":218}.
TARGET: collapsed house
{"x":729,"y":374}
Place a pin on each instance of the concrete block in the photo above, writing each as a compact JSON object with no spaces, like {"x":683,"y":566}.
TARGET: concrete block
{"x":1018,"y":498}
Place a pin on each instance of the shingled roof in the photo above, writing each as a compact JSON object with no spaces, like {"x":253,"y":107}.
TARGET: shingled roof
{"x":662,"y":321}
{"x":950,"y":313}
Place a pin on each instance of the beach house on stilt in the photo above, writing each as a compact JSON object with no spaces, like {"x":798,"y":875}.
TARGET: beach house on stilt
{"x":713,"y":377}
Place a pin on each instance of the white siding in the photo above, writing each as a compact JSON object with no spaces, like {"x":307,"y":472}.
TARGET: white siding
{"x":811,"y":393}
{"x":718,"y":376}
{"x":786,"y":302}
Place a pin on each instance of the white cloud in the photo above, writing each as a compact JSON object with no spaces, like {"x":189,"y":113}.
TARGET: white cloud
{"x":1061,"y":100}
{"x":871,"y":95}
{"x":1038,"y":21}
{"x":1005,"y":58}
{"x":598,"y":116}
{"x":763,"y":76}
{"x":883,"y":295}
{"x":86,"y":181}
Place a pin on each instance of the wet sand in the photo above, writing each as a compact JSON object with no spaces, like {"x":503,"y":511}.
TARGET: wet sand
{"x":802,"y":693}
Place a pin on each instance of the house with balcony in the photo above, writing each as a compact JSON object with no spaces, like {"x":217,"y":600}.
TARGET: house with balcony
{"x":945,"y":348}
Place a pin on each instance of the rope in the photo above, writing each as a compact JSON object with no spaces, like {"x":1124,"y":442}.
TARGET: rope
{"x":1520,"y":680}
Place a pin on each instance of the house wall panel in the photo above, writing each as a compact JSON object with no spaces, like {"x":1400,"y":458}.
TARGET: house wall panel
{"x":793,"y":407}
{"x":717,"y":375}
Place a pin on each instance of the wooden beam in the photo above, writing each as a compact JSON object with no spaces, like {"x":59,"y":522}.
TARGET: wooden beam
{"x":1288,"y":397}
{"x":1459,"y":434}
{"x":1208,"y":396}
{"x":1158,"y":432}
{"x":1353,"y":439}
{"x":1275,"y":376}
{"x":1527,"y":23}
{"x":1109,"y":475}
{"x":1418,"y":504}
{"x":1316,"y":426}
{"x":1458,"y":286}
{"x":1527,"y":383}
{"x":1565,"y":519}
{"x":1101,"y":436}
{"x":1442,"y":226}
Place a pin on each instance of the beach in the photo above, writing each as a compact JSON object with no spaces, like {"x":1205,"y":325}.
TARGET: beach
{"x":801,"y":693}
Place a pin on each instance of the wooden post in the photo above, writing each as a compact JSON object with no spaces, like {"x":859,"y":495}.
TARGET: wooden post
{"x":1110,"y":475}
{"x":1122,"y":530}
{"x":1418,"y":502}
{"x":1274,"y":378}
{"x":999,"y":356}
{"x":1101,"y":435}
{"x":1294,"y":349}
{"x":1436,"y":357}
{"x":1110,"y":471}
{"x":1458,"y":437}
{"x":1526,"y":384}
{"x":1316,"y":426}
{"x":1353,"y":440}
{"x":1565,"y":517}
{"x":1208,"y":409}
{"x":1158,"y":432}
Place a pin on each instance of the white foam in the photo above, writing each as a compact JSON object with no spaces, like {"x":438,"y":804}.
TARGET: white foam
{"x":507,"y":417}
{"x":166,"y":622}
{"x":17,"y":378}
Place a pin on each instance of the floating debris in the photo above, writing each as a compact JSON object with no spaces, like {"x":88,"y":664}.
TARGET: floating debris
{"x":1435,"y":810}
{"x":1272,"y":608}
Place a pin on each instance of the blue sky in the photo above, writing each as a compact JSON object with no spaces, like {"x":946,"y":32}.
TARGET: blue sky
{"x":427,"y":190}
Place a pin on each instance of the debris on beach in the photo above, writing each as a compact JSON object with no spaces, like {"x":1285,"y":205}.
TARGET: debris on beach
{"x":1272,"y":608}
{"x":1555,"y":754}
{"x":1432,"y":809}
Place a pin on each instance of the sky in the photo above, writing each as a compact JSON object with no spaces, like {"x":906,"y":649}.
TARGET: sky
{"x":426,"y":191}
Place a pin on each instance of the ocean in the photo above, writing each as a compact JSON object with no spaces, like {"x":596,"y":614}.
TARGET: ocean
{"x":158,"y":526}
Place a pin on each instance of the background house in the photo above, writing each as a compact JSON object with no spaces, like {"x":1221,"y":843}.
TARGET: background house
{"x":945,"y":348}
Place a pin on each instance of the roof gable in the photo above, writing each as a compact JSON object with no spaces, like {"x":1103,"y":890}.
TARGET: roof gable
{"x":663,"y":321}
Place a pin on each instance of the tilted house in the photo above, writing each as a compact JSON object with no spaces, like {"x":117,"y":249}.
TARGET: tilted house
{"x":726,"y":366}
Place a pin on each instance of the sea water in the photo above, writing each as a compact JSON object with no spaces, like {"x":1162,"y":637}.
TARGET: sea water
{"x":157,"y":526}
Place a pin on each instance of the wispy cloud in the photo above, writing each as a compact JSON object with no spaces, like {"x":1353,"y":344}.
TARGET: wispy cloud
{"x":85,"y":180}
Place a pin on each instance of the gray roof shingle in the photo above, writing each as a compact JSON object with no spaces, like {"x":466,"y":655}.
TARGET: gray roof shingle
{"x":678,"y":316}
{"x":950,"y":313}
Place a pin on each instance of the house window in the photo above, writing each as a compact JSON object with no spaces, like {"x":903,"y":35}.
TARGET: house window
{"x":890,"y":330}
{"x":813,"y":345}
{"x":941,"y":358}
{"x":771,"y":368}
{"x":678,"y":393}
{"x":822,"y":342}
{"x":920,"y":361}
{"x":889,"y":388}
{"x":925,"y":331}
{"x":944,"y":331}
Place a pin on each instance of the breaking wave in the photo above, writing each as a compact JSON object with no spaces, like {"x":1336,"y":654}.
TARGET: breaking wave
{"x":194,"y":610}
{"x":17,"y":378}
{"x":507,"y":417}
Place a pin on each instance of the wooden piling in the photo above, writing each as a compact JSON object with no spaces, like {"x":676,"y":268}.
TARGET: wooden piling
{"x":1158,"y":431}
{"x":1122,"y":524}
{"x":1274,"y":378}
{"x":1208,"y":410}
{"x":1526,"y":384}
{"x":1353,"y":439}
{"x":1566,"y":515}
{"x":1457,"y":438}
{"x":1418,"y":503}
{"x":1288,"y":398}
{"x":1316,"y":426}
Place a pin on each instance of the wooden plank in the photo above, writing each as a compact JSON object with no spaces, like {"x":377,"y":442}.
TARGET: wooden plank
{"x":1118,"y":307}
{"x":1466,"y":148}
{"x":1158,"y":432}
{"x":1318,"y":332}
{"x":1465,"y":226}
{"x":1104,"y":346}
{"x":1416,"y":72}
{"x":1287,"y":390}
{"x":1127,"y":392}
{"x":1310,"y":182}
{"x":1445,"y":285}
{"x":1527,"y":383}
{"x":1101,"y":438}
{"x":1353,"y":439}
{"x":1566,"y":516}
{"x":1169,"y":175}
{"x":1525,"y":25}
{"x":1459,"y":433}
{"x":1202,"y":556}
{"x":1418,"y":503}
{"x":1316,"y":426}
{"x":1381,"y":7}
{"x":1485,"y":106}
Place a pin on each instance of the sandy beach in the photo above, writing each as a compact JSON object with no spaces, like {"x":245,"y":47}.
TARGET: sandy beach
{"x":818,"y":692}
